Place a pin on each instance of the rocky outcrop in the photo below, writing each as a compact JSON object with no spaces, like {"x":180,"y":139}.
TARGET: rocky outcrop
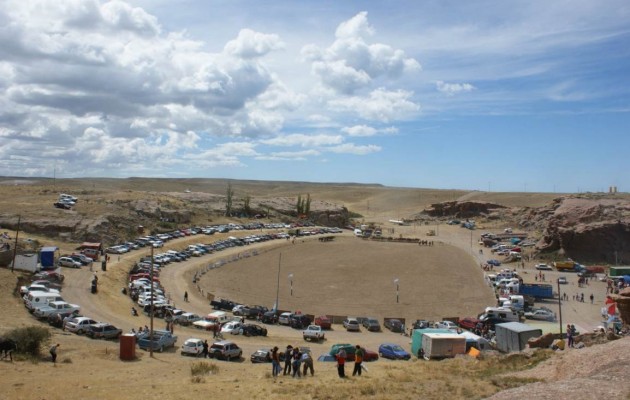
{"x":623,"y":305}
{"x":586,"y":229}
{"x":462,"y":209}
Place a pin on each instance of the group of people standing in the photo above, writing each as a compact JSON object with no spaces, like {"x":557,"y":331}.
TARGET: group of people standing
{"x":296,"y":362}
{"x":341,"y":357}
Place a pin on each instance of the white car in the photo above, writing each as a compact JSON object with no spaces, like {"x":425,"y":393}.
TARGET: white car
{"x":24,"y":290}
{"x":78,"y":325}
{"x":352,"y":324}
{"x":192,"y":347}
{"x":283,"y":319}
{"x":232,"y":327}
{"x":69,"y":262}
{"x":447,"y":325}
{"x":543,"y":267}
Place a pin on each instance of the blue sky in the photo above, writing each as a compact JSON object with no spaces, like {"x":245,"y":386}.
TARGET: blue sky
{"x":487,"y":95}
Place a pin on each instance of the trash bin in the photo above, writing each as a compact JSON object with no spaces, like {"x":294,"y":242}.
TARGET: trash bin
{"x":127,"y":347}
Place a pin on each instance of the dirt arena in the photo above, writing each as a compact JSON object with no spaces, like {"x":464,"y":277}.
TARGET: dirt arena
{"x":354,"y":277}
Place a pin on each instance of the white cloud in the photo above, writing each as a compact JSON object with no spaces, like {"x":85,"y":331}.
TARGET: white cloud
{"x":351,"y":148}
{"x":251,"y":44}
{"x":453,"y":88}
{"x":380,"y":105}
{"x":365,"y":131}
{"x":350,"y":63}
{"x":298,"y":139}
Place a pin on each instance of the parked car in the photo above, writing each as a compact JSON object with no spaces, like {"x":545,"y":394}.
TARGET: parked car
{"x":159,"y":341}
{"x":352,"y":325}
{"x":253,"y":330}
{"x":420,"y":324}
{"x":563,"y":280}
{"x":269,"y":317}
{"x":543,"y":267}
{"x":372,"y":325}
{"x":69,"y":262}
{"x":262,"y":356}
{"x":232,"y":327}
{"x":350,"y":349}
{"x":63,"y":205}
{"x":393,"y":352}
{"x":225,"y":350}
{"x":192,"y":347}
{"x":56,"y":319}
{"x":103,"y":331}
{"x":283,"y":319}
{"x":313,"y":332}
{"x":49,"y":276}
{"x":394,"y":325}
{"x":323,"y":321}
{"x":55,"y":307}
{"x":541,"y":315}
{"x":447,"y":325}
{"x":299,"y":321}
{"x":36,"y":288}
{"x":79,"y":325}
{"x":468,"y":323}
{"x":494,"y":262}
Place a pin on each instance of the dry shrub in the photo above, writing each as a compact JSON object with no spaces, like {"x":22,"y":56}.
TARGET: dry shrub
{"x":202,"y":368}
{"x":30,"y":340}
{"x":66,"y":360}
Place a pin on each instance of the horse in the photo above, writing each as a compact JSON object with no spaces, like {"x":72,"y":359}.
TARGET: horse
{"x":7,"y":346}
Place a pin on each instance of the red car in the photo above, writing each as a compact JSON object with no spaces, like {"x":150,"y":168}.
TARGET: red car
{"x":468,"y":323}
{"x":323,"y":321}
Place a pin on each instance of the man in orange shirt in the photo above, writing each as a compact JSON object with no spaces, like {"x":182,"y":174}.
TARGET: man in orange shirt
{"x":358,"y":359}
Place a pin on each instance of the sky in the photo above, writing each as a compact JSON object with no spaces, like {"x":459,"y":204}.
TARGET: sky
{"x":509,"y":96}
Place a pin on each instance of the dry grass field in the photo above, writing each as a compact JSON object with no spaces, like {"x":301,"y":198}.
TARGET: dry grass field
{"x":348,"y":276}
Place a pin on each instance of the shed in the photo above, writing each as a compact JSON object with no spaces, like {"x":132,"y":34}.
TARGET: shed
{"x":47,"y":257}
{"x":443,"y":345}
{"x":416,"y":338}
{"x":26,"y":262}
{"x":513,"y":336}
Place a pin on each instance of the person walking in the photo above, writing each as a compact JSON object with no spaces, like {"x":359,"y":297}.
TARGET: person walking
{"x":307,"y":360}
{"x":53,"y":352}
{"x":358,"y":359}
{"x":569,"y":336}
{"x":592,"y":298}
{"x":287,"y":360}
{"x":275,"y":362}
{"x":341,"y":363}
{"x":186,"y":296}
{"x":205,"y":349}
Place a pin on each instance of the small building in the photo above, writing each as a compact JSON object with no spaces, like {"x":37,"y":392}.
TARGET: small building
{"x":513,"y":336}
{"x":416,"y":338}
{"x":47,"y":257}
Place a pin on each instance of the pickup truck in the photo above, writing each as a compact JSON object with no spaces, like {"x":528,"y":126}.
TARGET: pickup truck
{"x":60,"y":307}
{"x":159,"y":341}
{"x":223,"y":304}
{"x":313,"y":332}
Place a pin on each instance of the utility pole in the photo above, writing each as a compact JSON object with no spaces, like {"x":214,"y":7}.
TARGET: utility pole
{"x":560,"y":308}
{"x":278,"y":284}
{"x":17,"y":233}
{"x":151,"y":307}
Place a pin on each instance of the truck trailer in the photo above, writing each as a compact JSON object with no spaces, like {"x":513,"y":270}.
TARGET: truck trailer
{"x":443,"y":345}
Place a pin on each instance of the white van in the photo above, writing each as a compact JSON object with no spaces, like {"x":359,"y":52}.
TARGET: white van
{"x":501,"y":313}
{"x":220,"y":316}
{"x":38,"y":299}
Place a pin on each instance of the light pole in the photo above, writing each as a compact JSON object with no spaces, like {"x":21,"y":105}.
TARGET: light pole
{"x":291,"y":282}
{"x":397,"y":283}
{"x":278,"y":285}
{"x":560,"y":308}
